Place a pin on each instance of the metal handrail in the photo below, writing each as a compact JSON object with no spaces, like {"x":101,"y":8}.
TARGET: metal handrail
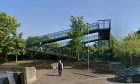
{"x":100,"y":24}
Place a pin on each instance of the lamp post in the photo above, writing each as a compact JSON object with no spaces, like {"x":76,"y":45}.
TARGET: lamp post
{"x":16,"y":50}
{"x":88,"y":44}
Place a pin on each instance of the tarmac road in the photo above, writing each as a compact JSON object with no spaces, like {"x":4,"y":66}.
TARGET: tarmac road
{"x":74,"y":76}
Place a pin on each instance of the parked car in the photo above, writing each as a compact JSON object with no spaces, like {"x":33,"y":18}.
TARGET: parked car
{"x":7,"y":78}
{"x":129,"y":75}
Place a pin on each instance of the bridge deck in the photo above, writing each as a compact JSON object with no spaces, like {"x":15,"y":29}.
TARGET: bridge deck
{"x":99,"y":26}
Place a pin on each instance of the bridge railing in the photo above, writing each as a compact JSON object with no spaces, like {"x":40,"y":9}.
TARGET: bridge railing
{"x":90,"y":38}
{"x":104,"y":24}
{"x":61,"y":35}
{"x":100,"y":24}
{"x":58,"y":34}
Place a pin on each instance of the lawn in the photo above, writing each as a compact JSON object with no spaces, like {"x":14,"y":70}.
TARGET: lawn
{"x":39,"y":64}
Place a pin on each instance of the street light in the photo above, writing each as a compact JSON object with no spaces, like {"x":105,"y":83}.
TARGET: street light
{"x":88,"y":44}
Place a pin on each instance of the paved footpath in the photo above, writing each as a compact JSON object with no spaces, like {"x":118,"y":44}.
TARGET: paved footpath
{"x":73,"y":76}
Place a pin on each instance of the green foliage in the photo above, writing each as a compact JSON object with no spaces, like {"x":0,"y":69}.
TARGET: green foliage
{"x":8,"y":27}
{"x":37,"y":42}
{"x":54,"y":44}
{"x":31,"y":40}
{"x":78,"y":29}
{"x":113,"y":42}
{"x":17,"y":46}
{"x":104,"y":50}
{"x":129,"y":49}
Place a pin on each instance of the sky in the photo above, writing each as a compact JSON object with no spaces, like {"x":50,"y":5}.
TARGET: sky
{"x":40,"y":17}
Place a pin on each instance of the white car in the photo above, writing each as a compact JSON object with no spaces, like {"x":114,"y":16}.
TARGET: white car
{"x":7,"y":78}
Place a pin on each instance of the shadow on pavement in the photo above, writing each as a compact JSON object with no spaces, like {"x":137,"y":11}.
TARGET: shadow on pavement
{"x":51,"y":75}
{"x":84,"y":74}
{"x":112,"y":80}
{"x":103,"y":72}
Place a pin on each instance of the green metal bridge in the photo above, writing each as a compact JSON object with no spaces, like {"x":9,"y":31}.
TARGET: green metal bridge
{"x":101,"y":27}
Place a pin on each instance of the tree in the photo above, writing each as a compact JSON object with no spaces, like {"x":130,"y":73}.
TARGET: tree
{"x":17,"y":46}
{"x":34,"y":43}
{"x":31,"y":40}
{"x":78,"y":29}
{"x":8,"y":26}
{"x":105,"y":49}
{"x":5,"y":46}
{"x":129,"y":49}
{"x":37,"y":41}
